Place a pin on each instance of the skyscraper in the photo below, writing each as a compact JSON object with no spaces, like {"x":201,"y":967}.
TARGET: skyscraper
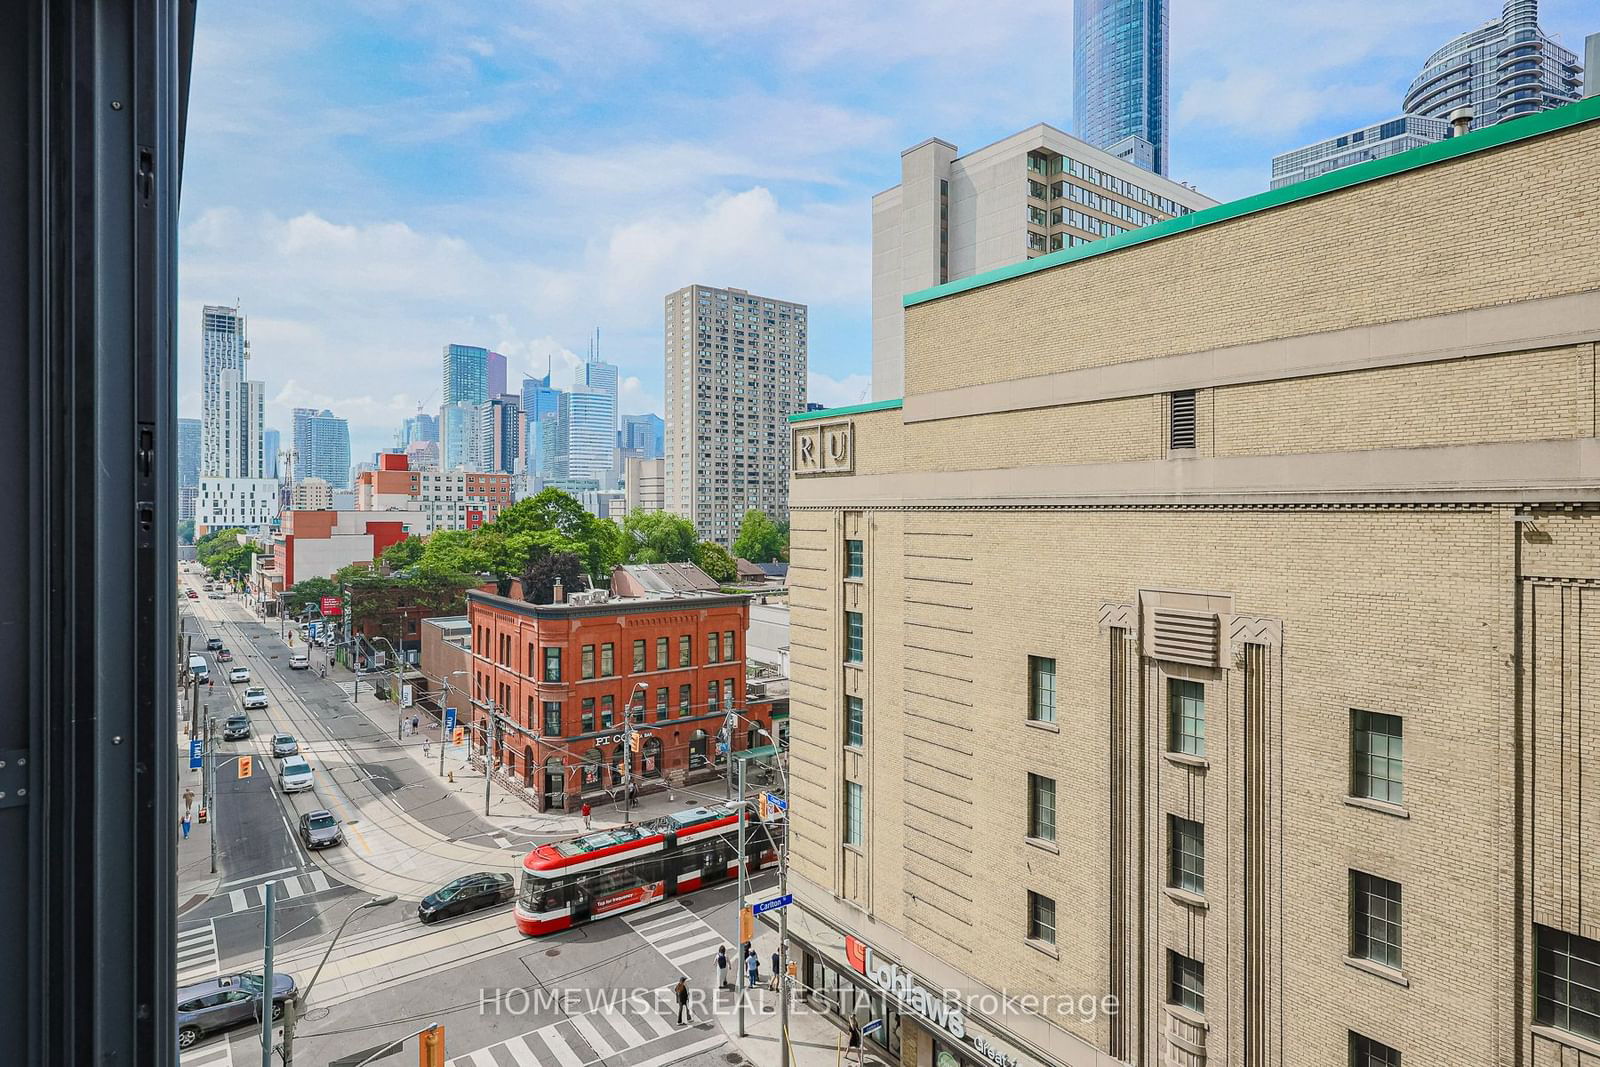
{"x":735,"y":370}
{"x":586,"y":424}
{"x":188,"y":452}
{"x":232,"y":409}
{"x":466,"y":375}
{"x":418,"y":427}
{"x":494,"y":374}
{"x":499,"y":434}
{"x":1376,"y":141}
{"x":1505,"y":68}
{"x":646,"y":434}
{"x":1119,"y":78}
{"x":322,"y":447}
{"x":458,"y":425}
{"x":598,"y":374}
{"x":538,"y":400}
{"x":271,"y":445}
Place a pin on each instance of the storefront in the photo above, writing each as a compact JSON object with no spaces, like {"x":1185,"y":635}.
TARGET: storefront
{"x":847,"y":977}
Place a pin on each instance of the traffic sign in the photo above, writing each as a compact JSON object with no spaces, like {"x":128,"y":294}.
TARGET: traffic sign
{"x":196,"y":757}
{"x":449,"y":721}
{"x":773,"y":904}
{"x":777,"y":802}
{"x":876,"y":1024}
{"x":245,"y":766}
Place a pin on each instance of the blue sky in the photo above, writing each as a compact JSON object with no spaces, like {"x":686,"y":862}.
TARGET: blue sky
{"x":371,"y":179}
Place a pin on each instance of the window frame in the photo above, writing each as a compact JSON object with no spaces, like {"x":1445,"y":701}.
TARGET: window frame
{"x":1190,"y":876}
{"x":855,"y":715}
{"x":1041,"y":928}
{"x":854,"y":814}
{"x":685,"y":651}
{"x":552,"y":707}
{"x":552,"y":658}
{"x":1379,"y":949}
{"x":1037,"y":689}
{"x":855,"y":631}
{"x":663,"y":653}
{"x":1387,"y":787}
{"x":608,"y":660}
{"x":586,"y":715}
{"x":586,"y":663}
{"x":1556,"y":1012}
{"x":1369,"y":1052}
{"x":1180,"y":740}
{"x":1182,"y":992}
{"x":855,"y":559}
{"x":1041,"y":823}
{"x":639,"y":659}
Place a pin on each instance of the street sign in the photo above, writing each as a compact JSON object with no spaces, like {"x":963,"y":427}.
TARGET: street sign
{"x":777,"y":802}
{"x":196,"y":757}
{"x":773,"y":904}
{"x":245,"y":766}
{"x":876,"y":1024}
{"x":405,"y":696}
{"x":449,"y":721}
{"x":331,"y":605}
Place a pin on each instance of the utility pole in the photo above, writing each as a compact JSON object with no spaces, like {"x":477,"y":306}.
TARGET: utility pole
{"x":488,"y":749}
{"x":210,"y":777}
{"x":739,"y":985}
{"x":785,"y":988}
{"x":266,"y":981}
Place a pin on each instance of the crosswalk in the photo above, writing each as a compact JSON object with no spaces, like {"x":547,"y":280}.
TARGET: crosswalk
{"x":197,"y":953}
{"x":218,"y":1053}
{"x":639,"y":1039}
{"x":255,"y":896}
{"x":678,"y":934}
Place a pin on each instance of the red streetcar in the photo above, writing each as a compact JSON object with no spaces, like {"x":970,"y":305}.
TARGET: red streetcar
{"x":612,"y":871}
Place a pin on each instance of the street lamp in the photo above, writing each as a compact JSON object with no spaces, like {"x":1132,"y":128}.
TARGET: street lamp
{"x":394,"y":684}
{"x":304,"y":996}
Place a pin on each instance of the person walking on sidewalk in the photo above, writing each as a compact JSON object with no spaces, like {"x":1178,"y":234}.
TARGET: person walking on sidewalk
{"x":776,"y":978}
{"x":425,"y":747}
{"x":753,"y":964}
{"x":586,"y":814}
{"x":415,"y":722}
{"x":186,"y":826}
{"x":633,"y":794}
{"x":855,"y":1042}
{"x":722,"y":967}
{"x":682,"y":990}
{"x":188,"y":801}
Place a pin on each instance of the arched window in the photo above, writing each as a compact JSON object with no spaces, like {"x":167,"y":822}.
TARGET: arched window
{"x":527,"y":766}
{"x":650,"y":761}
{"x":592,"y":768}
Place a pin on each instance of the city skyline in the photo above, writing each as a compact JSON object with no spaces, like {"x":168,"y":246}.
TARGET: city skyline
{"x":528,"y":262}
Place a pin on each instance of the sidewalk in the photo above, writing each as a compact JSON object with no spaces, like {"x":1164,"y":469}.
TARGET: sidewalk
{"x":196,"y":883}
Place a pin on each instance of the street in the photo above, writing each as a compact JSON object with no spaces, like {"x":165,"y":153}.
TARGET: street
{"x":599,"y":992}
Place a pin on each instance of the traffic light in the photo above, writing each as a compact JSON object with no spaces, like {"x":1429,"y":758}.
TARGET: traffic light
{"x":459,"y":735}
{"x":747,"y":924}
{"x":636,"y":741}
{"x":430,"y":1047}
{"x":245,"y":766}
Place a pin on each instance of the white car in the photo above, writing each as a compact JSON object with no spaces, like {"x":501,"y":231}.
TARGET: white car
{"x":295,"y":775}
{"x":299,"y":661}
{"x":239,"y":674}
{"x":255,"y":697}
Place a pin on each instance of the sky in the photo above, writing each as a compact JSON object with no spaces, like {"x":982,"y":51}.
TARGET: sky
{"x":370,"y":180}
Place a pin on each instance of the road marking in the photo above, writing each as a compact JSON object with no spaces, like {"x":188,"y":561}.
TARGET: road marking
{"x":626,"y":1030}
{"x":680,"y":936}
{"x":197,"y":953}
{"x":558,"y":1044}
{"x":256,"y":879}
{"x":591,"y":1036}
{"x":519,"y":1050}
{"x":254,"y":896}
{"x":219,"y":1054}
{"x":683,"y":1053}
{"x":239,"y":902}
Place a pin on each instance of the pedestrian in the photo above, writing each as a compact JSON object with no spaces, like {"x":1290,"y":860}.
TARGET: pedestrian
{"x":855,"y":1040}
{"x":425,"y":748}
{"x":188,"y":801}
{"x":415,"y":722}
{"x":776,"y":964}
{"x":186,"y":826}
{"x":586,"y":814}
{"x":722,"y":967}
{"x":753,"y":963}
{"x":211,"y":683}
{"x":633,"y":794}
{"x":682,"y":990}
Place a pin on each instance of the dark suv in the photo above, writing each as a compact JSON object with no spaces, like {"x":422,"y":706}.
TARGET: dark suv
{"x":236,"y":728}
{"x":213,"y":643}
{"x":466,"y":894}
{"x":220,"y":1003}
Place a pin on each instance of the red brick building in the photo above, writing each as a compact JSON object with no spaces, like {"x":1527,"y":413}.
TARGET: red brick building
{"x":564,"y":675}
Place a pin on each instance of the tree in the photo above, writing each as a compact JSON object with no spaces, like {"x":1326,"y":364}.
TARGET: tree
{"x":715,"y":561}
{"x":210,"y":548}
{"x":452,"y":552}
{"x":760,"y":539}
{"x":538,"y":578}
{"x":305,"y":593}
{"x":658,"y":537}
{"x":186,"y":532}
{"x":403,"y":554}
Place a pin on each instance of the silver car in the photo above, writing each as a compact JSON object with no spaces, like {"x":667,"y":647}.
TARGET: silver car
{"x":231,"y":1000}
{"x":319,"y":829}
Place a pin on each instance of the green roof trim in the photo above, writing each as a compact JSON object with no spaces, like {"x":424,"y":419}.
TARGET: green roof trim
{"x":852,"y":409}
{"x":1504,"y":133}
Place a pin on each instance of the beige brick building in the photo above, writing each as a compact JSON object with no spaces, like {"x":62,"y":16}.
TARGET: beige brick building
{"x":1210,"y":639}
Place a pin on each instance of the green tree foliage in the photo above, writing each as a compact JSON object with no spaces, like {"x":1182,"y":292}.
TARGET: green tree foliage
{"x":220,"y":553}
{"x":551,"y":523}
{"x":307,"y":593}
{"x":403,"y":554}
{"x":760,"y":539}
{"x":186,"y":532}
{"x":538,"y":579}
{"x":715,"y":561}
{"x":658,"y":537}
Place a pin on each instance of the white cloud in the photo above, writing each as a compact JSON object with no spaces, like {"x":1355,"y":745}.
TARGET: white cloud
{"x":837,"y":392}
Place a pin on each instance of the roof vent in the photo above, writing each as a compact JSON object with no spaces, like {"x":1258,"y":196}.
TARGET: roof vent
{"x":1461,"y":120}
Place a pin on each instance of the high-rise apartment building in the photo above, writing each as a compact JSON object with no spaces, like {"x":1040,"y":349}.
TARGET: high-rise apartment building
{"x":418,"y":427}
{"x":311,"y":494}
{"x":447,"y":500}
{"x":736,"y":367}
{"x":1382,"y":139}
{"x":1591,"y":65}
{"x":1119,"y":79}
{"x":234,"y":488}
{"x":322,"y":447}
{"x":499,"y":435}
{"x":1503,"y":69}
{"x":271,"y":446}
{"x":1030,"y":194}
{"x":1282,"y":764}
{"x":494,"y":374}
{"x":189,"y":432}
{"x":466,"y":375}
{"x":646,"y":434}
{"x":644,"y":484}
{"x":458,"y":435}
{"x":538,"y":400}
{"x":586,"y":428}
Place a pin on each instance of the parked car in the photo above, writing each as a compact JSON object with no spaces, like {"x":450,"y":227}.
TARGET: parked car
{"x":299,"y":661}
{"x":319,"y":829}
{"x":295,"y":776}
{"x":239,"y":674}
{"x":285,"y":745}
{"x":237,"y":728}
{"x":467,"y":893}
{"x":228,"y":1001}
{"x":224,"y":655}
{"x":254,"y":697}
{"x":200,"y":668}
{"x":213,"y":644}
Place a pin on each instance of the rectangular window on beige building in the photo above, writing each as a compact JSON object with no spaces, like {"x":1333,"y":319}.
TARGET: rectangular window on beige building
{"x":1041,"y":807}
{"x":1375,"y":919}
{"x":1186,"y":713}
{"x":855,"y":559}
{"x":852,"y":813}
{"x":1041,"y":918}
{"x":1186,"y":868}
{"x":1568,"y":990}
{"x":1186,"y":982}
{"x":1377,"y":756}
{"x":1041,"y":689}
{"x":1365,"y":1052}
{"x":855,"y":721}
{"x":855,"y":637}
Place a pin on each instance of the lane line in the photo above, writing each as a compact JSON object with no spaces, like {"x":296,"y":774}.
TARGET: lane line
{"x":256,"y":879}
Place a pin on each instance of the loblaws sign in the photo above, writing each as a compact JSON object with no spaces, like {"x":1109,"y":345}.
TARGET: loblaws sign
{"x":912,"y":995}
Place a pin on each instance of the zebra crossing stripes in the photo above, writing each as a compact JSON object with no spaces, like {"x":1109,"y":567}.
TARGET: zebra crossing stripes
{"x":219,"y":1053}
{"x":254,"y":896}
{"x":582,"y":1040}
{"x":677,"y":933}
{"x":197,"y":953}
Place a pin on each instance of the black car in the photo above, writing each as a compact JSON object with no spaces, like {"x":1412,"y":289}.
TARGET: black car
{"x":237,"y":728}
{"x":465,"y":894}
{"x":213,"y":643}
{"x":319,"y":829}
